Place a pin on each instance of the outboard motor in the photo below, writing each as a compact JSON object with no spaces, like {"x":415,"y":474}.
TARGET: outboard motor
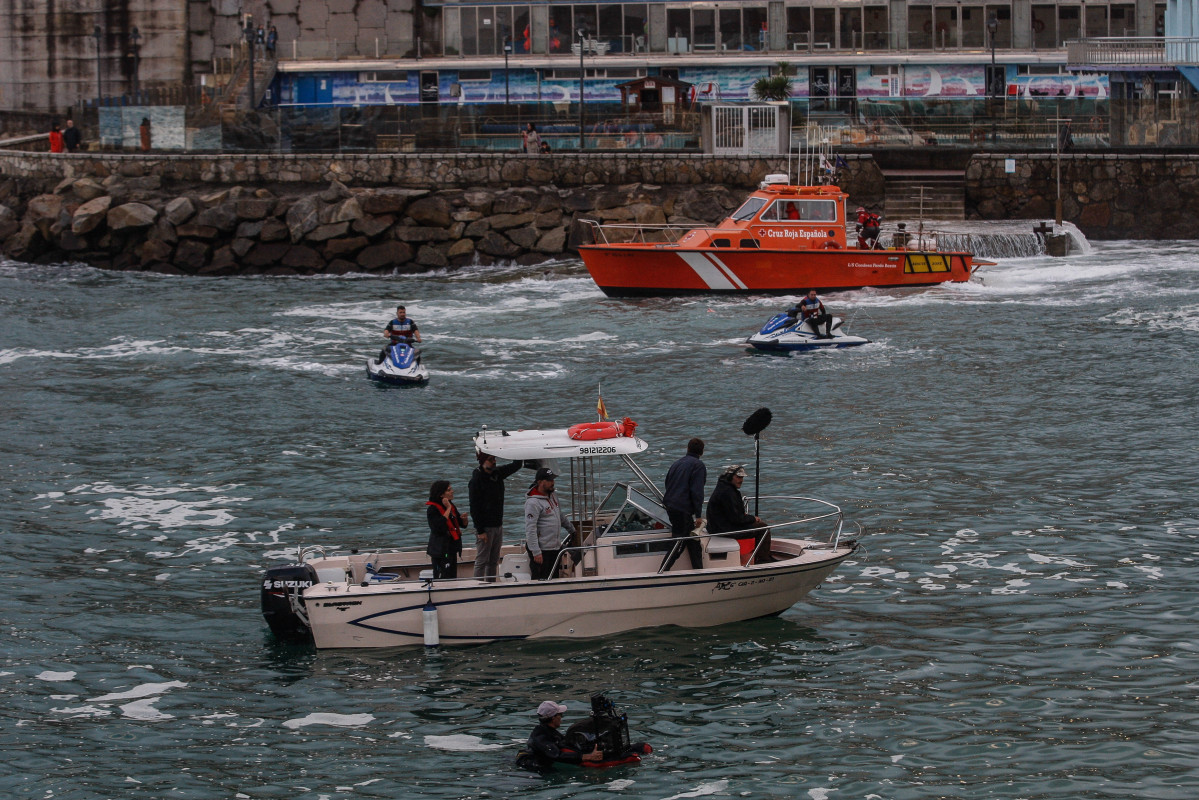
{"x":605,"y":727}
{"x":283,"y":600}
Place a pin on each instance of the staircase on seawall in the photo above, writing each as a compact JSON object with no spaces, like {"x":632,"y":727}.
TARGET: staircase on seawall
{"x":924,"y":194}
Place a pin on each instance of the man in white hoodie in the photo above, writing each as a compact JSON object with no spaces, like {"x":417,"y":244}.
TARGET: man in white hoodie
{"x":543,"y":518}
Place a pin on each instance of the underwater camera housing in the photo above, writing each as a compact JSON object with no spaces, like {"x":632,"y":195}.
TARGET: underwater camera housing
{"x":605,"y":727}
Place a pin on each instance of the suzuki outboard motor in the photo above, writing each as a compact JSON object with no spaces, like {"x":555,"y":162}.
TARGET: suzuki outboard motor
{"x":283,"y":600}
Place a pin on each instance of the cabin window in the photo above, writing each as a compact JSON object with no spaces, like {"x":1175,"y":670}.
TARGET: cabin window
{"x":752,"y":206}
{"x":802,"y":211}
{"x":722,"y":243}
{"x":749,"y":243}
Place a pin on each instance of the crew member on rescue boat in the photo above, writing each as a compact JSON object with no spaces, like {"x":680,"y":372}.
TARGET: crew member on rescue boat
{"x":446,"y":524}
{"x":868,"y":225}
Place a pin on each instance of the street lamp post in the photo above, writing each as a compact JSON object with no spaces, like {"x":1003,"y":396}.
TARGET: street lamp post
{"x":992,"y":26}
{"x":1057,"y":128}
{"x":135,"y":51}
{"x":507,"y":52}
{"x":250,"y":51}
{"x":582,"y":48}
{"x":99,"y":35}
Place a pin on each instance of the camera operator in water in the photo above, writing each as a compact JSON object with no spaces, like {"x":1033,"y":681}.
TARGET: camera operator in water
{"x":547,"y":744}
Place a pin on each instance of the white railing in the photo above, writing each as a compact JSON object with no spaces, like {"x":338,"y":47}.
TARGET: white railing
{"x":1133,"y":51}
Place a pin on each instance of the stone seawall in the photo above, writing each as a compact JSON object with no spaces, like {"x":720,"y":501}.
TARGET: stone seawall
{"x":1107,"y":195}
{"x":293,"y":214}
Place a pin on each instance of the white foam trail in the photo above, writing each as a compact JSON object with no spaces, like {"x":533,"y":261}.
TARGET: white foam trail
{"x":335,"y":720}
{"x":55,"y":676}
{"x":461,"y":743}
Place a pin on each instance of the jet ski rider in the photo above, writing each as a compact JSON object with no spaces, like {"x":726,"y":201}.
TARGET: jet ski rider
{"x":400,"y":330}
{"x":813,"y":311}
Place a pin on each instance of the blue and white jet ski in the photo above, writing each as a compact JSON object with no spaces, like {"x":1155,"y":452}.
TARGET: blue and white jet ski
{"x":783,"y":333}
{"x":401,"y":366}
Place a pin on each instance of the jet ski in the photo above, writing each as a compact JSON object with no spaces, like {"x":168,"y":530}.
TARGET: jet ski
{"x":784,"y":333}
{"x":400,"y":366}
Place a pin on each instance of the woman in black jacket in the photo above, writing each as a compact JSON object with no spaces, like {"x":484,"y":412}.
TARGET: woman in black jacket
{"x":445,"y":530}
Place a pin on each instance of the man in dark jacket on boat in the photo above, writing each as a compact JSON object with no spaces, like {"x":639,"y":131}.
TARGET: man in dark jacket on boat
{"x":726,"y":512}
{"x":547,"y":745}
{"x":684,"y":501}
{"x":486,"y":489}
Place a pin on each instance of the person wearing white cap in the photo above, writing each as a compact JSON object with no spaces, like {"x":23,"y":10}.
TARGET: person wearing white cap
{"x":726,"y":512}
{"x":543,"y":517}
{"x":547,"y":745}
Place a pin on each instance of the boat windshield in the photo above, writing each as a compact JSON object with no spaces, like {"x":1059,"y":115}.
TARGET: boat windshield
{"x":629,"y":510}
{"x":747,"y":211}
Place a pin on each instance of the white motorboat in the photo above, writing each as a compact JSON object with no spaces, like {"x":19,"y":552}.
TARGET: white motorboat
{"x":786,"y":333}
{"x":610,"y":577}
{"x":401,"y":366}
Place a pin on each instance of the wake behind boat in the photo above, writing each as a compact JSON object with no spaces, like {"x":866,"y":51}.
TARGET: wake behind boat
{"x":610,"y":577}
{"x":787,"y":333}
{"x":783,"y":239}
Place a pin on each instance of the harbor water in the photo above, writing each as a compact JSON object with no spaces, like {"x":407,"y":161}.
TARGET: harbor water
{"x":1020,"y":622}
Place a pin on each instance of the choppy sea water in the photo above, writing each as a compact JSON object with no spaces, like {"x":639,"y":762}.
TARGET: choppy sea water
{"x":1021,"y":622}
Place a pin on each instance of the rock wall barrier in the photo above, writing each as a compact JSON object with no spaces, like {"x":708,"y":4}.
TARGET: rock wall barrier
{"x":297,"y":214}
{"x":1107,"y":195}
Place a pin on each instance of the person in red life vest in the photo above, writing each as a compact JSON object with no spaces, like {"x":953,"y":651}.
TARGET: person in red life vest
{"x":868,"y":225}
{"x":547,"y":744}
{"x":445,"y":530}
{"x":56,"y":143}
{"x":815,"y":314}
{"x":543,"y":518}
{"x":400,"y":330}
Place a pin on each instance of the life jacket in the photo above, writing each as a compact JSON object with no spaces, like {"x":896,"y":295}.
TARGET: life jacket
{"x":451,"y":520}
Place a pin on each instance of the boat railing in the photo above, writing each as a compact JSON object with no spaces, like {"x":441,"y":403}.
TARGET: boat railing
{"x":834,"y":538}
{"x":640,"y":232}
{"x":833,"y":513}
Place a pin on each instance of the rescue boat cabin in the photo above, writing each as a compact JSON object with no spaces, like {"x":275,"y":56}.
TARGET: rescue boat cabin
{"x":779,"y":216}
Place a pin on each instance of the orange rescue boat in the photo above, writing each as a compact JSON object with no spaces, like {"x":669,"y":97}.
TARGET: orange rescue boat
{"x":783,"y":239}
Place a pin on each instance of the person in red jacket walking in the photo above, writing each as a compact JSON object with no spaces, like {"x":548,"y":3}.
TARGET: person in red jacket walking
{"x":56,"y":144}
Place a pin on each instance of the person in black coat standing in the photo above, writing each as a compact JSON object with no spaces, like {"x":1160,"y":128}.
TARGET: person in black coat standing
{"x":726,"y":512}
{"x":684,"y":501}
{"x":445,"y":530}
{"x":486,"y":492}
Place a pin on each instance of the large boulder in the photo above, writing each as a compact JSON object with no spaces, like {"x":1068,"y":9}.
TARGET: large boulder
{"x":434,"y":212}
{"x":89,"y":215}
{"x":179,"y":210}
{"x":131,"y":216}
{"x":303,"y":217}
{"x":385,"y":254}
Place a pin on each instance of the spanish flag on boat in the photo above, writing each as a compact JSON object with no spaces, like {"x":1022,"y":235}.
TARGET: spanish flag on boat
{"x":600,"y":409}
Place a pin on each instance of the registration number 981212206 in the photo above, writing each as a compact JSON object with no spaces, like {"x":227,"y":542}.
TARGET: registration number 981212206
{"x":597,"y":450}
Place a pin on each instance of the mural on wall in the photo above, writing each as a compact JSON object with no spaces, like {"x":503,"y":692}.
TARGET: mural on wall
{"x":120,"y":126}
{"x":711,"y":83}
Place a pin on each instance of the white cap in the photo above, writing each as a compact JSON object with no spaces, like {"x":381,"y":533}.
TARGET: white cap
{"x":550,"y":709}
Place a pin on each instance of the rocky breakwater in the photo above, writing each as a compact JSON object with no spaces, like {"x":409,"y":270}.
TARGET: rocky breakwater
{"x":141,"y":223}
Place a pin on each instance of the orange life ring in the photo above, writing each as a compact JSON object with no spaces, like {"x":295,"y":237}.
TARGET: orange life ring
{"x":942,"y":27}
{"x":590,"y":431}
{"x":1038,"y":26}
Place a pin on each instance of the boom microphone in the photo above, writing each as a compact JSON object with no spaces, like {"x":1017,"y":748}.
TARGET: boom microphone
{"x":757,"y":422}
